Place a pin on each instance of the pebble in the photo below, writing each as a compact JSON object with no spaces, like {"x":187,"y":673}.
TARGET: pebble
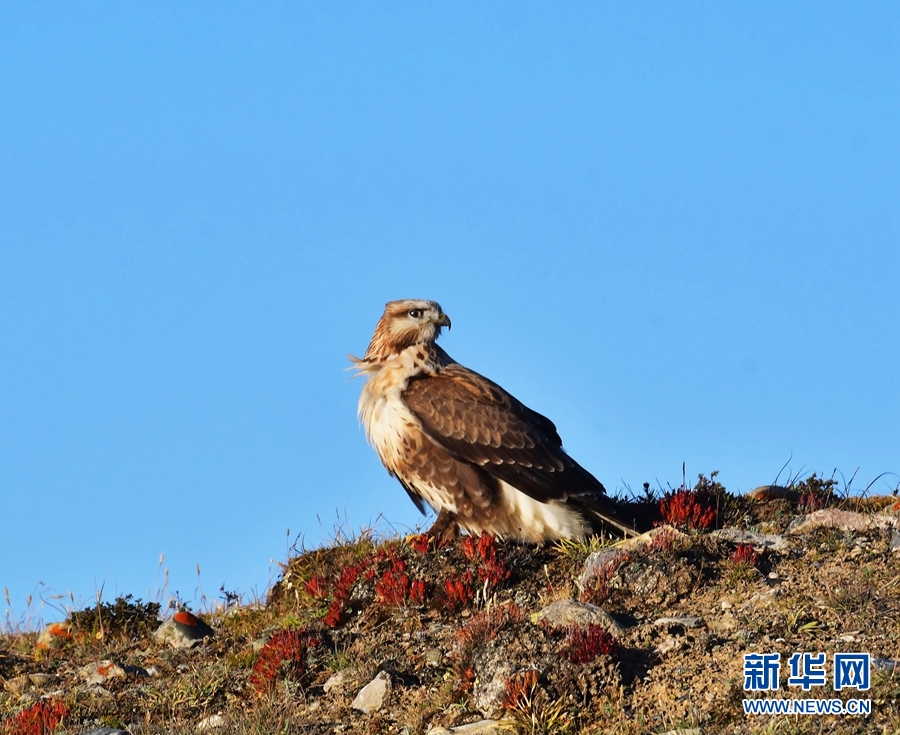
{"x":845,"y":520}
{"x":105,"y":731}
{"x":568,"y":613}
{"x":183,"y":630}
{"x":55,"y":635}
{"x":482,"y":727}
{"x":371,"y":697}
{"x":213,"y":722}
{"x":337,"y":680}
{"x":757,"y":540}
{"x":100,"y":672}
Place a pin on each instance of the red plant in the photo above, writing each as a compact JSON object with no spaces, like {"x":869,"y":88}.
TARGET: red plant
{"x":520,"y":690}
{"x":284,"y":655}
{"x":663,"y":543}
{"x":745,"y":555}
{"x":420,"y":543}
{"x":343,"y":587}
{"x":395,"y":588}
{"x":688,"y":509}
{"x":40,"y":718}
{"x":483,"y":551}
{"x":597,"y":589}
{"x":583,"y":645}
{"x":459,"y":592}
{"x":317,"y":587}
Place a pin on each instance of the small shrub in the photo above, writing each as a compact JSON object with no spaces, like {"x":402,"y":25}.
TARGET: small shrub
{"x":744,"y":555}
{"x":459,"y":592}
{"x":491,"y":567}
{"x":598,"y":589}
{"x":40,"y":718}
{"x":583,"y":645}
{"x":124,"y":618}
{"x":688,"y":509}
{"x":283,"y":657}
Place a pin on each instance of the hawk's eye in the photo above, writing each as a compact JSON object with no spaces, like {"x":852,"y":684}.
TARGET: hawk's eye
{"x":415,"y":313}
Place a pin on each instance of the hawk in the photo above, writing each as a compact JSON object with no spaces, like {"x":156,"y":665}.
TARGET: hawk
{"x":454,"y":439}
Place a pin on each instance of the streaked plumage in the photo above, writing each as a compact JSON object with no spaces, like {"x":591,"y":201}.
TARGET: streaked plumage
{"x":459,"y":442}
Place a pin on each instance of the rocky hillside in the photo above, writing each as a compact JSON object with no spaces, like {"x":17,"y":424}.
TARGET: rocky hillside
{"x":408,"y":635}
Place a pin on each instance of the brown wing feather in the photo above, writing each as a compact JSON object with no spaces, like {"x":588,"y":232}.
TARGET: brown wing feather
{"x":480,"y":423}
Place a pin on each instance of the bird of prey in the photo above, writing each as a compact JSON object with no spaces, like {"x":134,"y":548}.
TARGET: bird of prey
{"x":454,"y":439}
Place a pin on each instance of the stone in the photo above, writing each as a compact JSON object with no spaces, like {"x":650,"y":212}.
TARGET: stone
{"x":55,"y":635}
{"x":100,"y":672}
{"x":372,"y":696}
{"x":895,"y":541}
{"x":844,"y":520}
{"x":337,"y":680}
{"x":105,"y":731}
{"x":482,"y":727}
{"x":213,"y":722}
{"x":885,"y":664}
{"x":19,"y":685}
{"x":773,"y":492}
{"x":569,"y":613}
{"x":183,"y":630}
{"x":758,"y":540}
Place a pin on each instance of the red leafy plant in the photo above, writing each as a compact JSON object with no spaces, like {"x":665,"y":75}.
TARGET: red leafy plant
{"x":484,"y":552}
{"x":283,"y":657}
{"x":459,"y":591}
{"x":688,"y":509}
{"x":583,"y":645}
{"x":396,"y":588}
{"x":40,"y":718}
{"x":744,"y":555}
{"x":520,"y":691}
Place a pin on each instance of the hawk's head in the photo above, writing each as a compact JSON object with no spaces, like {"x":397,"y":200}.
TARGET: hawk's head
{"x":404,"y":323}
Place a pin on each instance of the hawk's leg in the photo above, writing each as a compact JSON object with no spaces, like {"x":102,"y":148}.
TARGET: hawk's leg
{"x":445,"y":528}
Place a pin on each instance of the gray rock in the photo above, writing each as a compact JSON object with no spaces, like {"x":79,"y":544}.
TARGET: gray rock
{"x":594,"y":563}
{"x":434,"y":657}
{"x":183,"y":630}
{"x":100,"y":672}
{"x":213,"y":722}
{"x":482,"y":727}
{"x":105,"y":731}
{"x":844,"y":520}
{"x":371,"y":697}
{"x":569,"y":613}
{"x":886,"y":664}
{"x":338,"y":680}
{"x":758,"y":540}
{"x":895,"y":541}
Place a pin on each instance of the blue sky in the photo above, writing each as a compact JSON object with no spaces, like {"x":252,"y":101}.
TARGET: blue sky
{"x":670,"y":227}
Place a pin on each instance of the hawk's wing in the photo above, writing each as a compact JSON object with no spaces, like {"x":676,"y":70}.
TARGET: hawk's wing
{"x":480,"y":423}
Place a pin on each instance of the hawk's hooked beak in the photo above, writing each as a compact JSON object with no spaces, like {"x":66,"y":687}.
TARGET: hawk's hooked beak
{"x":443,"y":321}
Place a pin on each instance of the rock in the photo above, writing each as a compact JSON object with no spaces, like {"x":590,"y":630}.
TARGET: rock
{"x":100,"y":672}
{"x":337,"y":680}
{"x":19,"y":685}
{"x":105,"y":731}
{"x":482,"y":727}
{"x":183,"y":630}
{"x":55,"y":635}
{"x":895,"y":541}
{"x":670,"y":644}
{"x":371,"y":697}
{"x":757,"y":540}
{"x":773,"y":492}
{"x":688,"y":621}
{"x":434,"y":657}
{"x":885,"y":664}
{"x":569,"y":613}
{"x":844,"y":520}
{"x":213,"y":722}
{"x":492,"y":668}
